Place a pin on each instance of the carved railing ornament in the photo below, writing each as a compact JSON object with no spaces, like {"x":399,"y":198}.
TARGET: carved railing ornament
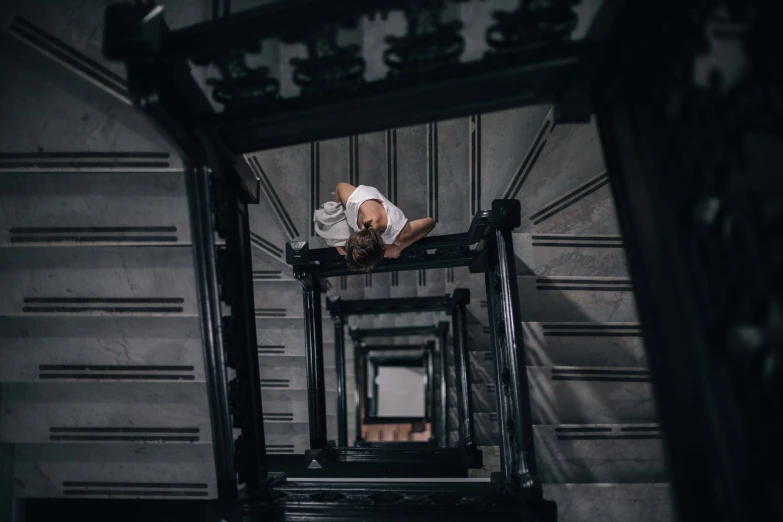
{"x":240,"y":85}
{"x":532,"y":25}
{"x":393,"y":498}
{"x":429,"y":42}
{"x":427,"y":61}
{"x":329,"y":66}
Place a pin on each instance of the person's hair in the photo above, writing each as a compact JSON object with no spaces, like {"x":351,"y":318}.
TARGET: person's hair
{"x":364,"y":249}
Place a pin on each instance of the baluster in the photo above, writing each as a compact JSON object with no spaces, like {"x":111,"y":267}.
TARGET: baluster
{"x":443,"y":341}
{"x":314,"y":348}
{"x":339,"y":361}
{"x":461,"y":365}
{"x":508,"y":350}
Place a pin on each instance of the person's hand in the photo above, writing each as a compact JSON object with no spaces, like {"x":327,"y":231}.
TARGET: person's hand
{"x":392,"y":251}
{"x":341,"y":250}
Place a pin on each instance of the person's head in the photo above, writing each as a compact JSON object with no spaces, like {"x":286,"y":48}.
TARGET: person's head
{"x":364,"y":249}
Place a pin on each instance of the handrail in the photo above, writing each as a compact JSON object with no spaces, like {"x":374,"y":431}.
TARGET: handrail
{"x":448,"y":250}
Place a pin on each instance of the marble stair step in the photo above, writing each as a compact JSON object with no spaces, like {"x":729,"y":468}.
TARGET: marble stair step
{"x":570,"y":255}
{"x":282,"y":403}
{"x":560,"y":157}
{"x":126,"y":281}
{"x":32,"y":348}
{"x":93,"y":209}
{"x":577,"y":395}
{"x":286,"y":335}
{"x":564,"y":299}
{"x":33,"y":327}
{"x":275,"y":298}
{"x":288,"y":443}
{"x":586,"y":209}
{"x":586,"y":453}
{"x":292,"y":378}
{"x":283,"y":409}
{"x":572,"y":395}
{"x":650,"y":502}
{"x":267,"y":266}
{"x":299,"y":361}
{"x":278,"y":428}
{"x":590,"y":453}
{"x":614,"y":344}
{"x":91,"y":412}
{"x":109,"y":470}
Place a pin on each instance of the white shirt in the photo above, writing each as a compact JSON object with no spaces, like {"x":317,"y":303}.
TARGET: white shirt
{"x":396,"y":219}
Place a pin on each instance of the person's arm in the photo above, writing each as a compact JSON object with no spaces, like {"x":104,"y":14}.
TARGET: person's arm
{"x":343,"y":192}
{"x":412,"y":232}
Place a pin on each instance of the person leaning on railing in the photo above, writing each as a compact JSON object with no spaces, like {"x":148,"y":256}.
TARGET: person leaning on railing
{"x":380,"y":229}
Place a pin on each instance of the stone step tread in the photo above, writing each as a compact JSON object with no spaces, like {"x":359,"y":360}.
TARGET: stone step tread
{"x":564,"y":299}
{"x":642,"y":502}
{"x":574,"y":344}
{"x":51,"y":469}
{"x":587,"y":454}
{"x":152,"y":201}
{"x":576,"y":401}
{"x":586,"y":208}
{"x":107,"y":281}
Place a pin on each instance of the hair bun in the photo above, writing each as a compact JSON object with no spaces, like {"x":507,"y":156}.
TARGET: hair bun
{"x":364,"y":248}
